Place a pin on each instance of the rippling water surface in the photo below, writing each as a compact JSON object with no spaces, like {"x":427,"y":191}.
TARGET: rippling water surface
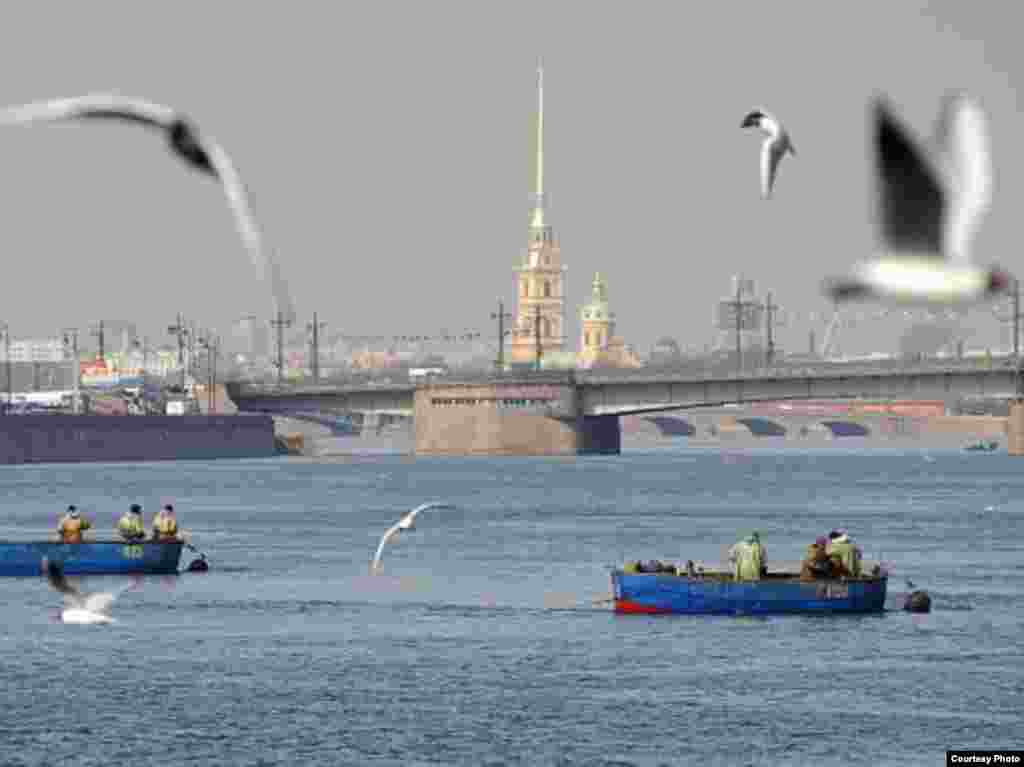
{"x":480,"y":644}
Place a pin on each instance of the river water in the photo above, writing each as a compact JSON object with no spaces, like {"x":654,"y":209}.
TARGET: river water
{"x":480,"y":644}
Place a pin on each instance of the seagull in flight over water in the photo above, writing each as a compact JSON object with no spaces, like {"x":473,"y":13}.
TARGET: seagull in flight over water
{"x":80,"y":607}
{"x":405,"y":523}
{"x":199,"y":152}
{"x":931,"y":201}
{"x":774,"y":147}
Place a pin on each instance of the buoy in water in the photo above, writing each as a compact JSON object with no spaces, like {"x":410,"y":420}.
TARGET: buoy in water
{"x":918,"y":602}
{"x":198,"y":565}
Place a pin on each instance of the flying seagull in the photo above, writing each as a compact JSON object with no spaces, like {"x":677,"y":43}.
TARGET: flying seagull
{"x":931,"y":200}
{"x":405,"y":523}
{"x":199,"y":152}
{"x":79,"y":607}
{"x":774,"y":146}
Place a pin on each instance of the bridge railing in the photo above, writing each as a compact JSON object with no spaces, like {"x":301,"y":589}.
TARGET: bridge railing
{"x":694,"y":372}
{"x":795,"y":372}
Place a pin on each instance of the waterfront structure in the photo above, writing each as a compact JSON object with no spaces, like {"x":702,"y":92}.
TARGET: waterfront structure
{"x":539,"y":324}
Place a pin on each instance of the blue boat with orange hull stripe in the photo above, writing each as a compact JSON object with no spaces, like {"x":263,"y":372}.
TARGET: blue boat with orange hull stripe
{"x":92,"y":557}
{"x":721,"y":594}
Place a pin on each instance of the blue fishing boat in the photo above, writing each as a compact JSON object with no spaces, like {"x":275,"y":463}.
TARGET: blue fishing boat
{"x":92,"y":557}
{"x":715,"y":593}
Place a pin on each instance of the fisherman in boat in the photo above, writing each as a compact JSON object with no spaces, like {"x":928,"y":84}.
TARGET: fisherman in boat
{"x":165,"y":525}
{"x":817,"y":563}
{"x":844,"y":554}
{"x":72,"y":526}
{"x":749,"y":558}
{"x":130,"y":526}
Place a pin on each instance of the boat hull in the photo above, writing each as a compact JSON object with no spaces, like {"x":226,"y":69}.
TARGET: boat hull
{"x":648,"y":593}
{"x":91,"y":558}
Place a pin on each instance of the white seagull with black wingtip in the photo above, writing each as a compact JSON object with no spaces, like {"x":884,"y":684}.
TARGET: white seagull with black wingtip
{"x":931,"y":201}
{"x":79,"y":607}
{"x":408,"y":522}
{"x":774,"y":147}
{"x":200,"y":152}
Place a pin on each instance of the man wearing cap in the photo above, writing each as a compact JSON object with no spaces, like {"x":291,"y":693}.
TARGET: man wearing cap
{"x":130,"y":526}
{"x":72,"y":525}
{"x":165,"y":526}
{"x":749,"y":558}
{"x":844,"y":554}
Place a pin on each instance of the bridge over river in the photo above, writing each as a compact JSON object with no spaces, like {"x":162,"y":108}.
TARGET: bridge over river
{"x":557,"y":412}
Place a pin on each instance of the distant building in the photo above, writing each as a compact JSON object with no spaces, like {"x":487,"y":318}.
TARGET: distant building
{"x":372,"y":360}
{"x":39,"y":350}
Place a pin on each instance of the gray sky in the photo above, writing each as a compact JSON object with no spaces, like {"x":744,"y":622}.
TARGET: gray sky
{"x":385,"y":146}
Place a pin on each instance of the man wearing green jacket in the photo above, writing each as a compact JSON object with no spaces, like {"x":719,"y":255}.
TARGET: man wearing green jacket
{"x":844,"y":553}
{"x":131,"y":526}
{"x":749,"y":557}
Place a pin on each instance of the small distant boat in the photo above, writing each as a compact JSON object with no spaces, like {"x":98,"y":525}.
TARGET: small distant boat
{"x":716,"y":593}
{"x":92,"y":557}
{"x":984,"y":446}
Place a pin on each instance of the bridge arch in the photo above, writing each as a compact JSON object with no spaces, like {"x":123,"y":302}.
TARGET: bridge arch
{"x":672,"y":427}
{"x":763,"y":427}
{"x":846,"y":428}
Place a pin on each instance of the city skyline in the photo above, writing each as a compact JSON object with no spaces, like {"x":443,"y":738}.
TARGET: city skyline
{"x":396,"y":198}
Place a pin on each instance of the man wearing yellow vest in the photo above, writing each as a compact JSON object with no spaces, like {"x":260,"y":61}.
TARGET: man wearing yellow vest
{"x":131,"y":526}
{"x":165,"y":525}
{"x":72,"y":526}
{"x":749,"y":557}
{"x":842,"y":551}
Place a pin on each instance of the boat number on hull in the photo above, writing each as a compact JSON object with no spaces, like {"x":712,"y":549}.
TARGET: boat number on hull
{"x":833,"y":591}
{"x":131,"y":552}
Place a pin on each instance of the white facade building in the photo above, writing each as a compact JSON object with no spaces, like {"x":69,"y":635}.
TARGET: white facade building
{"x":39,"y":350}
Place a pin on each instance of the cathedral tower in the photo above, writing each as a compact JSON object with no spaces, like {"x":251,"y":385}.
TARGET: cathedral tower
{"x":540,"y":274}
{"x":597,"y":321}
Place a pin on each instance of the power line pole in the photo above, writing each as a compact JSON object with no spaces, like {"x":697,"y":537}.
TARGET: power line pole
{"x":769,"y":309}
{"x":190,"y":348}
{"x":280,"y":324}
{"x":315,"y":362}
{"x":536,"y":334}
{"x":501,"y":316}
{"x":212,"y":345}
{"x":738,"y":305}
{"x":6,"y":330}
{"x":180,"y":331}
{"x":1016,"y":336}
{"x":99,"y":333}
{"x":71,"y":338}
{"x":1016,"y":320}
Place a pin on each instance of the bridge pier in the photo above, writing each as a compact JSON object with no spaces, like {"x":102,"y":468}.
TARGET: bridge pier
{"x":510,"y":419}
{"x":1015,"y":428}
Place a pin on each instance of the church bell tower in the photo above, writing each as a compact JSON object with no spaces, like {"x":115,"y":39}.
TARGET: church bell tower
{"x":540,"y":274}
